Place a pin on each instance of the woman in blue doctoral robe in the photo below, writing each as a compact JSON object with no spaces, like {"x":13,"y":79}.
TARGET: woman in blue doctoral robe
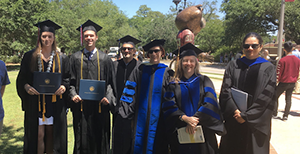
{"x":191,"y":101}
{"x":141,"y":102}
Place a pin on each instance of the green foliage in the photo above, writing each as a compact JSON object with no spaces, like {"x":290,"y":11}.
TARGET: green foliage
{"x":13,"y":59}
{"x":16,"y":24}
{"x":261,"y":16}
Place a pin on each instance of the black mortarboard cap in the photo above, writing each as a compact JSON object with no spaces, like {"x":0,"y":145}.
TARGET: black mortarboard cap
{"x":153,"y":44}
{"x":47,"y":26}
{"x":89,"y":25}
{"x":188,"y":50}
{"x":129,"y":39}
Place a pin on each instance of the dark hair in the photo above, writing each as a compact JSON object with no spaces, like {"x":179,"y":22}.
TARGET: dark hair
{"x":253,"y":34}
{"x":288,"y":46}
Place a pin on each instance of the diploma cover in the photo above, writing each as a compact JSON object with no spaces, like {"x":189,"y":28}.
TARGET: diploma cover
{"x":46,"y":82}
{"x":240,"y":98}
{"x":184,"y":137}
{"x":92,"y":89}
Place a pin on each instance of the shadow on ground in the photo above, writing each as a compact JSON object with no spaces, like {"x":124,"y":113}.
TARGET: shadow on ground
{"x":10,"y":142}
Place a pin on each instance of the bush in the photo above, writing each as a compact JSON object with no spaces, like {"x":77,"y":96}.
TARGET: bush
{"x":13,"y":59}
{"x":3,"y":58}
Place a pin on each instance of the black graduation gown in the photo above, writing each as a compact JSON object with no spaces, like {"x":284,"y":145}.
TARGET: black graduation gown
{"x":91,"y":128}
{"x":30,"y":106}
{"x":258,"y":80}
{"x":141,"y":101}
{"x":122,"y":127}
{"x":193,"y":97}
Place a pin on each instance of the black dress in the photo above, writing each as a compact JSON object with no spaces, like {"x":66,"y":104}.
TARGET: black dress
{"x":31,"y":107}
{"x":258,"y":78}
{"x":193,"y":97}
{"x":91,"y":128}
{"x":122,"y":127}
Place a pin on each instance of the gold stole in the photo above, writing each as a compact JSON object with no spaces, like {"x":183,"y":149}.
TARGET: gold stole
{"x":53,"y":96}
{"x":81,"y":77}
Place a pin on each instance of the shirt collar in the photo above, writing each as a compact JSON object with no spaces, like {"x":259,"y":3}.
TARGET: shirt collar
{"x":86,"y":51}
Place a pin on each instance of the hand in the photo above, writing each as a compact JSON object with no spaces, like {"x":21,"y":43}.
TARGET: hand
{"x":192,"y":121}
{"x":76,"y":99}
{"x":238,"y":116}
{"x":104,"y":101}
{"x":189,"y":129}
{"x":30,"y":90}
{"x":60,"y":90}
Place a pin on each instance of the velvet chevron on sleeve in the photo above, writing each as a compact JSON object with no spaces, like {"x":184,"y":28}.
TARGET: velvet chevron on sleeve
{"x":193,"y":97}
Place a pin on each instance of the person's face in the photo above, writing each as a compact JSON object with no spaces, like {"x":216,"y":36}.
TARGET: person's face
{"x":188,"y":65}
{"x":127,"y":51}
{"x":90,"y":38}
{"x":47,"y":39}
{"x":155,"y":54}
{"x":252,"y":48}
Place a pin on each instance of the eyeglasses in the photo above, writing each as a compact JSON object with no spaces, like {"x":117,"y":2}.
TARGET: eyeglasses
{"x":151,"y":51}
{"x":124,"y":49}
{"x":254,"y":46}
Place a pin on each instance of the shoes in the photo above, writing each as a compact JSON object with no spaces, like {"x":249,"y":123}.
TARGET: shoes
{"x":275,"y":117}
{"x":284,"y":118}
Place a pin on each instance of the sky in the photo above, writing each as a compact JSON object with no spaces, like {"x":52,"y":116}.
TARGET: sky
{"x":129,"y":7}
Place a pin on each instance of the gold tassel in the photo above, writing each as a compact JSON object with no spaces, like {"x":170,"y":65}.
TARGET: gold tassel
{"x":81,"y":105}
{"x":44,"y":107}
{"x":60,"y":96}
{"x":53,"y":98}
{"x":99,"y":107}
{"x":39,"y":103}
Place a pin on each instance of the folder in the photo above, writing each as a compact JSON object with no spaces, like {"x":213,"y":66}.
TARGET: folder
{"x":46,"y":82}
{"x":93,"y":90}
{"x":240,"y":98}
{"x":184,"y":137}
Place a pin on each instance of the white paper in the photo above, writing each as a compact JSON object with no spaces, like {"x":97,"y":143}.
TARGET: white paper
{"x":185,"y":137}
{"x":240,"y":98}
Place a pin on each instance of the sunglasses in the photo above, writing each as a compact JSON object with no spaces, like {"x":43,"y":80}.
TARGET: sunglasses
{"x":151,"y":51}
{"x":124,"y":49}
{"x":254,"y":46}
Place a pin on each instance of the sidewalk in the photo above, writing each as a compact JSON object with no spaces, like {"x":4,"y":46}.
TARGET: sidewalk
{"x":285,"y":138}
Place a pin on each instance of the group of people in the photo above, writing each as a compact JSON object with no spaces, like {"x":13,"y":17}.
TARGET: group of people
{"x":149,"y":101}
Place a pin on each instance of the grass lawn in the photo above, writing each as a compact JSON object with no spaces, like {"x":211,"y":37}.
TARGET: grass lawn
{"x":11,"y":140}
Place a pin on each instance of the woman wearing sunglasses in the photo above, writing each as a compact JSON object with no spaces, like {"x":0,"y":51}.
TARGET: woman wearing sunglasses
{"x":141,"y":101}
{"x":248,"y":120}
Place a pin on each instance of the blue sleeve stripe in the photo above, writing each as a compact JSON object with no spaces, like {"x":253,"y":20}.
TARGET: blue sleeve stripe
{"x":126,"y":99}
{"x":211,"y":90}
{"x":209,"y":112}
{"x":168,"y":104}
{"x":211,"y":101}
{"x":128,"y":91}
{"x":130,"y":84}
{"x":169,"y":94}
{"x":169,"y":112}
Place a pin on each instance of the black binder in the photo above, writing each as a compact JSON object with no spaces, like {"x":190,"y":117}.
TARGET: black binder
{"x":92,"y":89}
{"x":46,"y":82}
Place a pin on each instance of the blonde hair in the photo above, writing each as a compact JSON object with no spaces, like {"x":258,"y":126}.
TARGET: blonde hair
{"x":37,"y":51}
{"x":179,"y":70}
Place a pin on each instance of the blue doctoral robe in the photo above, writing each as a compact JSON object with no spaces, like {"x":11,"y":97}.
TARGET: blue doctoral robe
{"x":193,"y":97}
{"x":141,"y":102}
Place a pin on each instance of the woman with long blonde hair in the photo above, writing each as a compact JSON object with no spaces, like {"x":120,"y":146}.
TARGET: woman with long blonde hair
{"x":191,"y":103}
{"x":45,"y":117}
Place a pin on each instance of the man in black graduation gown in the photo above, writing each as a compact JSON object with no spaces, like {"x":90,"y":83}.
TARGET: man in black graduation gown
{"x":91,"y":119}
{"x":122,"y":127}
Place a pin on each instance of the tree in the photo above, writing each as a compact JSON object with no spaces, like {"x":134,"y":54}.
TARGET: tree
{"x":17,"y":32}
{"x":261,"y":16}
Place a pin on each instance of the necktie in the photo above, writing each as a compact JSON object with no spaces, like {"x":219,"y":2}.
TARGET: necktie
{"x":89,"y":55}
